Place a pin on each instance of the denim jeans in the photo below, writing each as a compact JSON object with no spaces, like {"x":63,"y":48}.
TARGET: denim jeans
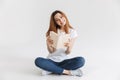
{"x":58,"y":67}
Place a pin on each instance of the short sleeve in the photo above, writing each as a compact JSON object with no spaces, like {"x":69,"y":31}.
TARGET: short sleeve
{"x":73,"y":33}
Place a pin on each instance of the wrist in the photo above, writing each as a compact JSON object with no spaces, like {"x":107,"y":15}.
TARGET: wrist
{"x":68,"y":50}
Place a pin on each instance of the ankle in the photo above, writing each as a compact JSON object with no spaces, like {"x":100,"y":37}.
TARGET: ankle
{"x":67,"y":72}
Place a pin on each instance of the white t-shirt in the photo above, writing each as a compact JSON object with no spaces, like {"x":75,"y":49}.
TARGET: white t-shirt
{"x":60,"y":55}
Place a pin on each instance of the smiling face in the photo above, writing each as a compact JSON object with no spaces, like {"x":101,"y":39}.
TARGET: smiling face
{"x":60,"y":20}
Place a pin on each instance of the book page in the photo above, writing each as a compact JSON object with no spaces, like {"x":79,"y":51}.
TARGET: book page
{"x":59,"y":40}
{"x":54,"y":36}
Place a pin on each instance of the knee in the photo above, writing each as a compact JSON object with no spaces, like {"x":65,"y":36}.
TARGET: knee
{"x":38,"y":61}
{"x":80,"y":61}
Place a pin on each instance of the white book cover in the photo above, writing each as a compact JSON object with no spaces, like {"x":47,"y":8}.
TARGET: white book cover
{"x":59,"y":40}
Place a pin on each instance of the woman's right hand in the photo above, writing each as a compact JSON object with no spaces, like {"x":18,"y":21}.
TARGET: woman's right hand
{"x":49,"y":41}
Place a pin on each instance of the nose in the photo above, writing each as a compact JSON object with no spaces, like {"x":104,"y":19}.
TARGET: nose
{"x":60,"y":20}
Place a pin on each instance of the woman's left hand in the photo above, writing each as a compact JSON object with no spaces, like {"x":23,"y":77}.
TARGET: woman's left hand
{"x":67,"y":44}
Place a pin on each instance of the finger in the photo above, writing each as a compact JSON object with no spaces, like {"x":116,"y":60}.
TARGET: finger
{"x":51,"y":41}
{"x":65,"y":45}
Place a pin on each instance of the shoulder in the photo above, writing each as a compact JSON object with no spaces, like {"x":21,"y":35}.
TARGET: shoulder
{"x":72,"y":30}
{"x":73,"y":33}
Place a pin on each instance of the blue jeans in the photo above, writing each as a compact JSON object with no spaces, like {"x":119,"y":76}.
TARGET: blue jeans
{"x":58,"y":67}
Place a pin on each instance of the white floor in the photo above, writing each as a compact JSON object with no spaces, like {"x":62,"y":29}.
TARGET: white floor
{"x":98,"y":67}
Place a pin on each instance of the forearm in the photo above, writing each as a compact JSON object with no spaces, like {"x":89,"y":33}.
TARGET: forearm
{"x":69,"y":48}
{"x":50,"y":49}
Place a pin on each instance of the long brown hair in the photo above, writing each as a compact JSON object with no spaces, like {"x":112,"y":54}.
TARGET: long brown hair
{"x":53,"y":25}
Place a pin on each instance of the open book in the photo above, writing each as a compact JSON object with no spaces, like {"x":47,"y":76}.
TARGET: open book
{"x":59,"y":40}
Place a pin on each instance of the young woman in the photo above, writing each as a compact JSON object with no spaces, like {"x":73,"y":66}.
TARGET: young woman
{"x":57,"y":61}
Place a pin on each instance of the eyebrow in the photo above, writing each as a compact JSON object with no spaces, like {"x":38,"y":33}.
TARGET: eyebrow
{"x":60,"y":16}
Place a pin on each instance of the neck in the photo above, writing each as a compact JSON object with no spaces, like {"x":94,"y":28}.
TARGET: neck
{"x":62,"y":28}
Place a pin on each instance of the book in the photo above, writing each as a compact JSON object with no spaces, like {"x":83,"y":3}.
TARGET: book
{"x":59,"y":40}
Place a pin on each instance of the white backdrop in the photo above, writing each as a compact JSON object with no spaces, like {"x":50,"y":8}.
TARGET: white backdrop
{"x":23,"y":24}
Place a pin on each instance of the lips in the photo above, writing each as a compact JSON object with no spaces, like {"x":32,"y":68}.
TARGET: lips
{"x":62,"y":24}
